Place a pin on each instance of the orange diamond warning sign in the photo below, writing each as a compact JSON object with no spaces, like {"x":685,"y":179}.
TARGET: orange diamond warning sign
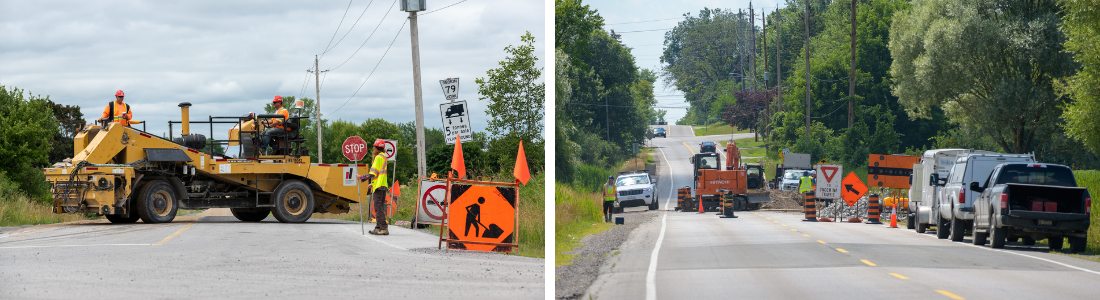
{"x":481,"y":218}
{"x":853,"y":189}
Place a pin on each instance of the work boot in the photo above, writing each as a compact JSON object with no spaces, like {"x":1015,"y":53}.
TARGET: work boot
{"x":383,"y":232}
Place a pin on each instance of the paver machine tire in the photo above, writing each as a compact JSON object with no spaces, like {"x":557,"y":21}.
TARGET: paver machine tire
{"x":157,"y":202}
{"x":293,"y":202}
{"x":250,"y":214}
{"x":119,"y":219}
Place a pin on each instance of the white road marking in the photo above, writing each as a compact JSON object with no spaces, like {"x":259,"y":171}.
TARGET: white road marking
{"x":651,"y":274}
{"x":61,"y":246}
{"x":1020,"y":254}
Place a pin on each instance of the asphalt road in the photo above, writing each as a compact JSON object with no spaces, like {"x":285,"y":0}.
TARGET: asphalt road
{"x":772,"y":255}
{"x":220,"y":257}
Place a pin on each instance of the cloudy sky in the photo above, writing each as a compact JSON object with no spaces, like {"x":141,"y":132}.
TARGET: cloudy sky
{"x":651,"y":19}
{"x":231,"y":57}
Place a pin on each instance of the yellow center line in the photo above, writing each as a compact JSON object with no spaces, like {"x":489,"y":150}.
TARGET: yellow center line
{"x":689,"y":147}
{"x":784,"y":225}
{"x":792,"y":229}
{"x":820,"y":241}
{"x":768,"y":218}
{"x":169,"y":238}
{"x":869,"y":263}
{"x":776,"y":222}
{"x":899,"y":276}
{"x":841,"y":250}
{"x":950,"y":295}
{"x":806,"y":235}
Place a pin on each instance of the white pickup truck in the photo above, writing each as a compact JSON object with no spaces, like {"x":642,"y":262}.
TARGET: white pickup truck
{"x":935,"y":164}
{"x":956,"y":200}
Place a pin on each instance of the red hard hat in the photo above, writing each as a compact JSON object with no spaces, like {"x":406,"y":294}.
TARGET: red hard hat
{"x":379,"y":143}
{"x":277,"y":99}
{"x":119,"y":93}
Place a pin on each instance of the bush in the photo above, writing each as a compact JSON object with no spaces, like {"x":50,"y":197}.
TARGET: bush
{"x":25,"y":140}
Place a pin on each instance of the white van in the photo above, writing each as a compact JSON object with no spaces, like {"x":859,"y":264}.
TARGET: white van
{"x":935,"y":164}
{"x":956,"y":200}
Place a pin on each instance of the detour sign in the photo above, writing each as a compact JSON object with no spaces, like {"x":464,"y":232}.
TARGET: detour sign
{"x":481,"y":218}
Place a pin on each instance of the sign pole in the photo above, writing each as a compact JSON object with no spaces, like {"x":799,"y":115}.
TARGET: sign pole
{"x":362,"y":227}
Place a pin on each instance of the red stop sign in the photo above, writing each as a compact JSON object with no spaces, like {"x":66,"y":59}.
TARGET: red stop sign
{"x":354,"y":148}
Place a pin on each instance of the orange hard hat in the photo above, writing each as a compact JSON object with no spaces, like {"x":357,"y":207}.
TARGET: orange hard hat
{"x":379,"y":143}
{"x":119,"y":93}
{"x":277,"y":99}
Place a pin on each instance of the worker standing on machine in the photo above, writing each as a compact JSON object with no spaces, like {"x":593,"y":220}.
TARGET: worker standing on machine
{"x":379,"y":185}
{"x":609,"y":199}
{"x":274,"y":125}
{"x":116,"y":111}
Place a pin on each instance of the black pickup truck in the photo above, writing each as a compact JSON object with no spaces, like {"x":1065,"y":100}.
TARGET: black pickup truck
{"x":1031,"y":201}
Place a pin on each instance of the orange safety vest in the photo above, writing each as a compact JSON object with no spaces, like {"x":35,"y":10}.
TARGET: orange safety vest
{"x":285,"y":113}
{"x":118,"y":115}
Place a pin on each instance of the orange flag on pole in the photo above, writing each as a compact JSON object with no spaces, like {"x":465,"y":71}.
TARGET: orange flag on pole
{"x":456,"y":159}
{"x":396,"y":188}
{"x":520,"y":172}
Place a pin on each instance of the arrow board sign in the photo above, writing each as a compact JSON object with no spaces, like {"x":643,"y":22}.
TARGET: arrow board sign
{"x":450,"y":88}
{"x":456,"y":121}
{"x":828,"y":183}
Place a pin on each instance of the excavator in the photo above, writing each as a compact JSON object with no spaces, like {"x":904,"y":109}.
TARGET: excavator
{"x":126,"y":174}
{"x":734,"y":186}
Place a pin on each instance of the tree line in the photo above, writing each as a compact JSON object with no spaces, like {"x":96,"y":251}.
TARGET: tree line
{"x":1007,"y":76}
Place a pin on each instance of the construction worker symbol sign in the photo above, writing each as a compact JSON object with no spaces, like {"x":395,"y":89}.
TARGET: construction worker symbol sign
{"x":481,"y":218}
{"x":853,"y":189}
{"x":390,"y":149}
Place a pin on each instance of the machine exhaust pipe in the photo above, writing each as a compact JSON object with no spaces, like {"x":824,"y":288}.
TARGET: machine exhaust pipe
{"x":186,"y":123}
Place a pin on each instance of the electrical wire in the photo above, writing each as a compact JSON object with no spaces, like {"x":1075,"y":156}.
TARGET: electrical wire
{"x":399,"y":30}
{"x":337,"y":28}
{"x":352,"y":27}
{"x":442,"y":8}
{"x":647,"y":21}
{"x":368,"y":37}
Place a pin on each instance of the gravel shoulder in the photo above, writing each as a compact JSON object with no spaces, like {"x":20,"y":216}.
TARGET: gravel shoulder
{"x":571,"y":281}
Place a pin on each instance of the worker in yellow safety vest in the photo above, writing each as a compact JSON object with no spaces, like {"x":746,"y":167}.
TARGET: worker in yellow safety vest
{"x":805,"y":183}
{"x":609,"y":199}
{"x":116,"y":111}
{"x":379,"y":185}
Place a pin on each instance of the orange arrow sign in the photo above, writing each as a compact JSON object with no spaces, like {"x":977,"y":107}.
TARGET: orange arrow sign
{"x":853,"y":189}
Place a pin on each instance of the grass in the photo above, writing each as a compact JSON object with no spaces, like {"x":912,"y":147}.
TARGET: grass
{"x":1091,"y":180}
{"x":532,"y":231}
{"x":718,"y":128}
{"x":747,"y":143}
{"x":16,"y":209}
{"x":578,"y":214}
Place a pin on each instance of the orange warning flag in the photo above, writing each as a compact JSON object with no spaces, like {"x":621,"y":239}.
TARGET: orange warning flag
{"x":396,"y":188}
{"x":521,"y":173}
{"x":456,"y":159}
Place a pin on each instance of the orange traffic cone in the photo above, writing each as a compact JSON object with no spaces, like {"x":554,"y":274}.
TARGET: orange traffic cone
{"x":700,"y":204}
{"x":893,"y":220}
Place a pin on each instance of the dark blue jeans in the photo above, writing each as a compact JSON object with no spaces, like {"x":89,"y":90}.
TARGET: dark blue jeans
{"x":268,"y":135}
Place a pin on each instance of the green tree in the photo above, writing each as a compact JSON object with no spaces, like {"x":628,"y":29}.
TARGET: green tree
{"x":1081,"y":25}
{"x":516,"y":105}
{"x":28,"y":127}
{"x":989,"y":64}
{"x":574,"y":22}
{"x":70,"y":119}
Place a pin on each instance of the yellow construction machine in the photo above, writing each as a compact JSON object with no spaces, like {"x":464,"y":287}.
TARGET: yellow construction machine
{"x":125,"y":174}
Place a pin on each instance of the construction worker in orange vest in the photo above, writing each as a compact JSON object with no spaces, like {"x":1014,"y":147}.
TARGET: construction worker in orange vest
{"x":275,"y":125}
{"x":379,"y":185}
{"x":117,"y":111}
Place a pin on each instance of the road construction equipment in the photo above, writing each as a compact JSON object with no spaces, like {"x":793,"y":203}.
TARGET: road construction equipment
{"x":737,"y":186}
{"x":125,"y":174}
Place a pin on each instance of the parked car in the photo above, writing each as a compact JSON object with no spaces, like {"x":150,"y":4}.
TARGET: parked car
{"x":636,"y":190}
{"x":659,"y":132}
{"x":1033,"y":201}
{"x":935,"y":164}
{"x":707,"y":147}
{"x":956,"y":200}
{"x":662,"y":123}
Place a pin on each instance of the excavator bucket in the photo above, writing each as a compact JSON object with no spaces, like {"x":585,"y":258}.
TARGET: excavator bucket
{"x":759,"y":196}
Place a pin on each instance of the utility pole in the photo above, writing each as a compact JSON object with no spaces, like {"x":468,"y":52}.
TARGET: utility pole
{"x":767,"y":107}
{"x":412,"y":7}
{"x":807,"y":70}
{"x":607,"y":118}
{"x":852,"y":74}
{"x":752,"y":38}
{"x":317,"y":82}
{"x":778,"y":71}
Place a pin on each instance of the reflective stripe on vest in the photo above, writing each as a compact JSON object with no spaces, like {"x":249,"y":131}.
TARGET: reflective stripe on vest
{"x":608,"y":193}
{"x":121,"y":118}
{"x":804,"y":185}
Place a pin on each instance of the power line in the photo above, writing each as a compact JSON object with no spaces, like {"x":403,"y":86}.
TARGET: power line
{"x":646,"y":30}
{"x":368,"y":37}
{"x":442,"y":8}
{"x":375,"y":67}
{"x":352,"y":27}
{"x":647,"y":21}
{"x":337,"y":28}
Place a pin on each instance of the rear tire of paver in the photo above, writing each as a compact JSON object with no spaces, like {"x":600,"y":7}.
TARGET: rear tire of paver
{"x":249,"y":215}
{"x":957,"y":230}
{"x":157,"y":203}
{"x":1056,"y":242}
{"x":978,"y":237}
{"x":293,"y":202}
{"x":941,"y":229}
{"x":118,"y":219}
{"x":998,"y":237}
{"x":1077,"y":244}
